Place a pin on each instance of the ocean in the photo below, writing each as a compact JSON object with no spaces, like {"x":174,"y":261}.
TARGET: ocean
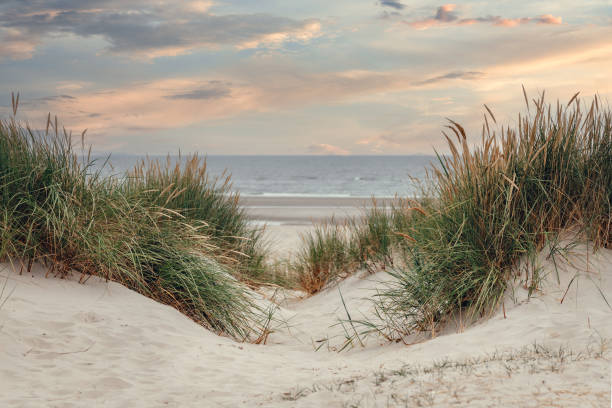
{"x":311,"y":176}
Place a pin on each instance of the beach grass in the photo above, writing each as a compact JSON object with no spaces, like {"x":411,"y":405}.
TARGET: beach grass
{"x":500,"y":201}
{"x":209,"y":202}
{"x":167,"y":232}
{"x":324,"y":256}
{"x":334,"y":250}
{"x":486,"y":207}
{"x":371,"y":241}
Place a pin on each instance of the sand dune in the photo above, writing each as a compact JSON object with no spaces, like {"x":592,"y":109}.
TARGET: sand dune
{"x":65,"y":344}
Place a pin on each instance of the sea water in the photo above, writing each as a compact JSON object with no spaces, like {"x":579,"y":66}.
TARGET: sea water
{"x":321,"y":176}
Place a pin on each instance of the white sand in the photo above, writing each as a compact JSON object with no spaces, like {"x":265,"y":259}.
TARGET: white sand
{"x":285,"y":240}
{"x":65,"y":344}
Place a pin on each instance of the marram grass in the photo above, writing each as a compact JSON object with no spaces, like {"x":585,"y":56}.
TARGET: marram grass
{"x":165,"y":232}
{"x":486,"y":207}
{"x":208,"y":202}
{"x":325,"y":255}
{"x":499,"y":201}
{"x":334,"y":250}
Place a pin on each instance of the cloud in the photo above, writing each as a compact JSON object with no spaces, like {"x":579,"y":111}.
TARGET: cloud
{"x":160,"y":104}
{"x":267,"y":87}
{"x":328,"y":149}
{"x":446,"y":15}
{"x":212,"y":90}
{"x":185,"y":101}
{"x":70,"y":85}
{"x":54,"y":98}
{"x":380,"y":142}
{"x":180,"y":102}
{"x":548,"y":19}
{"x":467,"y":75}
{"x":199,"y":6}
{"x":142,"y":28}
{"x":16,"y":45}
{"x":393,"y":4}
{"x":304,"y":33}
{"x":597,"y":52}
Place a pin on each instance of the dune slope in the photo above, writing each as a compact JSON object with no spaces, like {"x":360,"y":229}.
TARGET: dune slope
{"x":67,"y":344}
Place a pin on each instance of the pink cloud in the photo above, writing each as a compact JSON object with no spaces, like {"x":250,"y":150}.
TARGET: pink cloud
{"x":549,"y":19}
{"x":180,"y":102}
{"x":307,"y":32}
{"x":155,"y":105}
{"x":323,"y":148}
{"x":15,"y":44}
{"x":446,"y":15}
{"x":379,"y":142}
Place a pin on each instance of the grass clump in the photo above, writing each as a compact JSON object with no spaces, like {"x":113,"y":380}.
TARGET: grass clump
{"x":335,"y":250}
{"x":372,"y":238}
{"x":370,"y":242}
{"x":209,"y":202}
{"x":139,"y":231}
{"x":454,"y":249}
{"x":324,"y":257}
{"x":495,"y":203}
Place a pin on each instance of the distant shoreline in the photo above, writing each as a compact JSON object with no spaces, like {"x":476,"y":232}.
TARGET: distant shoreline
{"x":301,"y":210}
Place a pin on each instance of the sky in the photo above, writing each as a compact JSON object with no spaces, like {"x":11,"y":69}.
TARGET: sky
{"x":294,"y":77}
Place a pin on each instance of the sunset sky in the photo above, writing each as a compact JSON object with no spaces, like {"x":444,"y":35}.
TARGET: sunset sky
{"x":293,"y":77}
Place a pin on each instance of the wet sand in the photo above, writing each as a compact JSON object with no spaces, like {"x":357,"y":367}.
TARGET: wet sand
{"x":304,"y":210}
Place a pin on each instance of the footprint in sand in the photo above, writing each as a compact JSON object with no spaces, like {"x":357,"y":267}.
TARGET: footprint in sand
{"x":89,"y":317}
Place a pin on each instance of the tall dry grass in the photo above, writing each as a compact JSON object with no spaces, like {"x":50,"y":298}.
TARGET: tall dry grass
{"x":207,"y":201}
{"x":454,"y":249}
{"x":497,"y":202}
{"x":171,"y":244}
{"x":371,"y":241}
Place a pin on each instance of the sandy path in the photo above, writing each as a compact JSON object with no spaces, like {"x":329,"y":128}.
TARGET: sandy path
{"x":65,"y":344}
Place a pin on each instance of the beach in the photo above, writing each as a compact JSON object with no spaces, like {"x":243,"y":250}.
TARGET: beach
{"x":285,"y":219}
{"x":279,"y":204}
{"x":163,"y":286}
{"x":72,"y":344}
{"x":304,"y":210}
{"x":67,"y":344}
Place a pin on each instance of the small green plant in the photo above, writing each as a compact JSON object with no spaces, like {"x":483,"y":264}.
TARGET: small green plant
{"x":324,"y":256}
{"x":369,"y":242}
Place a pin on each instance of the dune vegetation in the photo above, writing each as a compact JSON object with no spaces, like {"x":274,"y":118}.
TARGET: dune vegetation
{"x":173,"y":233}
{"x":454,"y":249}
{"x":332,"y":251}
{"x":165,"y":230}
